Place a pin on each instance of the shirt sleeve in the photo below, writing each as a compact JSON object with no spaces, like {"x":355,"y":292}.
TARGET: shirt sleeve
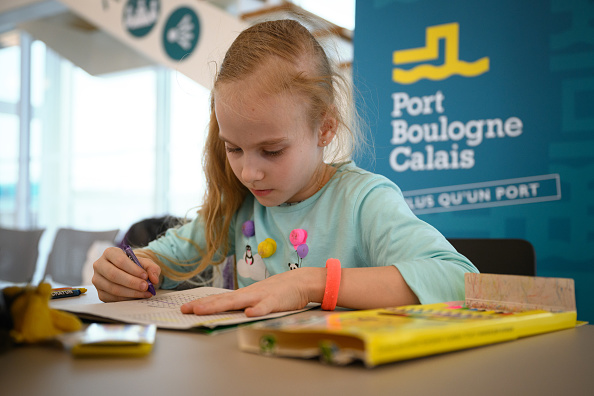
{"x":180,"y":248}
{"x":393,"y":235}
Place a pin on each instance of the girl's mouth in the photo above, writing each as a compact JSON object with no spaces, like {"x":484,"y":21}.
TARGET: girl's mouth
{"x":260,"y":193}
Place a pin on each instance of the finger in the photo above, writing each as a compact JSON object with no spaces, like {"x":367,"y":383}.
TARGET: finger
{"x":259,"y":309}
{"x":118,"y":258}
{"x":153,"y":270}
{"x":107,"y":297}
{"x":122,"y":278}
{"x":268,"y":305}
{"x":108,"y":286}
{"x":220,"y":303}
{"x":109,"y":270}
{"x":114,"y":289}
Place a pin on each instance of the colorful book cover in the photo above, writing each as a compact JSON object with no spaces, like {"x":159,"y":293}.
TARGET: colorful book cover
{"x":386,"y":335}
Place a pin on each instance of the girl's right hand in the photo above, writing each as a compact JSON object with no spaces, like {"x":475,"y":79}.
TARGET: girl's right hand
{"x":118,"y":278}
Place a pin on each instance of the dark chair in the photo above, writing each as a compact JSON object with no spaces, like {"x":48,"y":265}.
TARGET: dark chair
{"x":69,"y":253}
{"x":19,"y":250}
{"x":498,"y":256}
{"x":144,"y":231}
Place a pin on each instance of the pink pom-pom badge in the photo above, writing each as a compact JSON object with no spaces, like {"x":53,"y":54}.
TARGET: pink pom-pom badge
{"x":297,"y":237}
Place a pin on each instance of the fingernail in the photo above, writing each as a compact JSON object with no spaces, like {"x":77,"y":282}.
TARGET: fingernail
{"x":144,"y":285}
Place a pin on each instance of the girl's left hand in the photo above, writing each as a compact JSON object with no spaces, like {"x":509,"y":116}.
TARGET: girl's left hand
{"x":287,"y":291}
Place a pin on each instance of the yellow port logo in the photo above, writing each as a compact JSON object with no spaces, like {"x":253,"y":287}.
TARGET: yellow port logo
{"x":452,"y":65}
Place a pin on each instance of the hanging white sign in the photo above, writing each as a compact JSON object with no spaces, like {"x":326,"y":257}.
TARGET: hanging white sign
{"x":189,"y":36}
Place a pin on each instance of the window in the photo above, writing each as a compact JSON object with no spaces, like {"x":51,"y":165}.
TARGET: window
{"x":10,"y":76}
{"x":112,"y":153}
{"x":190,"y":113}
{"x":97,"y":144}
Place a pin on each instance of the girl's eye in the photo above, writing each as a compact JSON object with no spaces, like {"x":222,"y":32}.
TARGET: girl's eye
{"x":274,"y":153}
{"x":232,"y":150}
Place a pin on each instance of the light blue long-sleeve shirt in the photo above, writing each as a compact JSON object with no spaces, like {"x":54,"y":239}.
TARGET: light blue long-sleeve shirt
{"x":358,"y":217}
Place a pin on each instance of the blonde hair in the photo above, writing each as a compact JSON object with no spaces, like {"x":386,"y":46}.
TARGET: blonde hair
{"x":304,"y":69}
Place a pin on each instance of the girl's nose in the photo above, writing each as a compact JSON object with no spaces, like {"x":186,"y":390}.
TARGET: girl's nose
{"x":251,"y":171}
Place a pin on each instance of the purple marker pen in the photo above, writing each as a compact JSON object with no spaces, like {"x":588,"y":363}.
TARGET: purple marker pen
{"x":132,"y":257}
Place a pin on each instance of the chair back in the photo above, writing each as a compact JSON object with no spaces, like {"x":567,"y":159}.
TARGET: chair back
{"x":498,"y":256}
{"x":69,"y":253}
{"x":19,"y":250}
{"x":144,"y":231}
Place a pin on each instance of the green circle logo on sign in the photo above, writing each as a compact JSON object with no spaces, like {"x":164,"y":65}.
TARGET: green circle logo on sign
{"x":181,"y":33}
{"x":140,"y":16}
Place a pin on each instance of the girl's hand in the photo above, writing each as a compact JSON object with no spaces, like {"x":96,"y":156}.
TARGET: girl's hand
{"x":287,"y":291}
{"x":118,"y":278}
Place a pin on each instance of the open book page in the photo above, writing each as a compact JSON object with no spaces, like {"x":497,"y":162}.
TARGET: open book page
{"x":163,"y":310}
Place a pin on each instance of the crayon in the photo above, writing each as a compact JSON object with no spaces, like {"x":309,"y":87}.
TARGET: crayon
{"x":67,"y":292}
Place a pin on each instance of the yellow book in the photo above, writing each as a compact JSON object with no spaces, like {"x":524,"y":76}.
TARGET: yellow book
{"x":386,"y":335}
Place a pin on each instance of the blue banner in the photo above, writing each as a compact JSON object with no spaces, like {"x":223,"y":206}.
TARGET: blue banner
{"x":483,"y":113}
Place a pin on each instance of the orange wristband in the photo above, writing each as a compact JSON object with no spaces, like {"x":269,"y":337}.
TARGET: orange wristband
{"x":333,"y":273}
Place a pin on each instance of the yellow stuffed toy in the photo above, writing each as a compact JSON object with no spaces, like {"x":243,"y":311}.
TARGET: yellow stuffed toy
{"x":32,"y":318}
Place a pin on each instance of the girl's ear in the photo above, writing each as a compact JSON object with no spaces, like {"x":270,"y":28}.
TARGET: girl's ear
{"x":327,"y":129}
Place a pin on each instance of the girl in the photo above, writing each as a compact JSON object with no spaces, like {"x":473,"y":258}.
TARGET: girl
{"x":274,"y":203}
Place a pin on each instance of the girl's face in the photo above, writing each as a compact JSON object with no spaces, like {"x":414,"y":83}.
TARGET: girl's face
{"x":270,"y":144}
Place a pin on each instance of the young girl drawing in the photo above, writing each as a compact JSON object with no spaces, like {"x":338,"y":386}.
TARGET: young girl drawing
{"x":275,"y":204}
